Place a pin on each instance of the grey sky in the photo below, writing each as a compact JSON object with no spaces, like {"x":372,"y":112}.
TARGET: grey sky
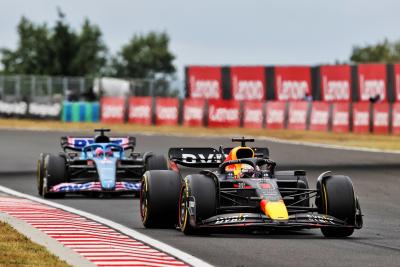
{"x":225,"y":31}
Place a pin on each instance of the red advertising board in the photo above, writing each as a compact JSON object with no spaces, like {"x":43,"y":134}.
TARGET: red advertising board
{"x":223,"y":113}
{"x":340,"y":117}
{"x":319,"y":116}
{"x":248,"y":83}
{"x":372,"y":81}
{"x":297,"y":116}
{"x":167,"y":111}
{"x":397,"y":81}
{"x":112,"y":109}
{"x":275,"y":114}
{"x":361,"y":117}
{"x":380,"y":122}
{"x":253,"y":114}
{"x":193,"y":112}
{"x":335,"y":83}
{"x":292,"y":83}
{"x":396,"y":118}
{"x":140,"y":110}
{"x":204,"y":82}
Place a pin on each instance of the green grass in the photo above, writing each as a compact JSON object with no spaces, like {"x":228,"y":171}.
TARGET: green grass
{"x":18,"y":250}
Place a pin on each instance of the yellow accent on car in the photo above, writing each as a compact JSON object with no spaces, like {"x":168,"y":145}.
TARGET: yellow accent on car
{"x":276,"y":210}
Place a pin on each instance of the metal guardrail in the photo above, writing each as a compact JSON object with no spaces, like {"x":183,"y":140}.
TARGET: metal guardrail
{"x":49,"y":89}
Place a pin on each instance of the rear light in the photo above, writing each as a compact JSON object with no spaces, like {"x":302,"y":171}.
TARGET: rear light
{"x":90,"y":162}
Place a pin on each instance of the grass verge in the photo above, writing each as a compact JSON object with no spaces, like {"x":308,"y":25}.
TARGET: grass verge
{"x":384,"y":141}
{"x":18,"y":250}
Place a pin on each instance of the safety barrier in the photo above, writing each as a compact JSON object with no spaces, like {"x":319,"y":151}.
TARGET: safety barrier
{"x":358,"y":117}
{"x":81,"y":112}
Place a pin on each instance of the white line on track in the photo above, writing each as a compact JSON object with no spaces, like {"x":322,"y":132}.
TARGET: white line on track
{"x":125,"y":230}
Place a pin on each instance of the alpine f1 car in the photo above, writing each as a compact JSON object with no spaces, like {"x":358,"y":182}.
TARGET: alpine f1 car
{"x":245,"y":191}
{"x":101,"y":164}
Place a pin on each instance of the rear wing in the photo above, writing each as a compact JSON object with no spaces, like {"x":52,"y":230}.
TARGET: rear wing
{"x":77,"y":143}
{"x":206,"y":156}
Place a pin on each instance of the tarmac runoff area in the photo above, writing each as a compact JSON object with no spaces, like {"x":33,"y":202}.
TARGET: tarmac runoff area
{"x":81,"y":241}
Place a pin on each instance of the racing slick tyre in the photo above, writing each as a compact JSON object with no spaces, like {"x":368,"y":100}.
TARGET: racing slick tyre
{"x":338,"y":200}
{"x":156,"y":162}
{"x":40,"y":172}
{"x":159,"y":197}
{"x":202,"y":190}
{"x":55,"y":172}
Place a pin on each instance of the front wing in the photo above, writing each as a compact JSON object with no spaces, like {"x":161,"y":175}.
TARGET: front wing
{"x":256,"y":220}
{"x":95,"y":187}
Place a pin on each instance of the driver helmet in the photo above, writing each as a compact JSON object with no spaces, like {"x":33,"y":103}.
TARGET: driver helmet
{"x":239,"y":152}
{"x":109,"y":152}
{"x":99,"y":152}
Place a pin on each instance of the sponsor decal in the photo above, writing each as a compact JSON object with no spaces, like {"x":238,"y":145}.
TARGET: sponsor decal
{"x":319,"y":219}
{"x":204,"y":82}
{"x":195,"y":158}
{"x":112,"y":109}
{"x":341,"y":118}
{"x":372,"y":81}
{"x":140,"y":112}
{"x":297,"y":115}
{"x":193,"y":112}
{"x":275,"y":114}
{"x":112,"y":112}
{"x":361,"y":118}
{"x":223,"y":113}
{"x":82,"y":142}
{"x":336,"y":83}
{"x":15,"y":108}
{"x":292,"y":83}
{"x":44,"y":110}
{"x":167,"y":111}
{"x":231,"y":219}
{"x":319,"y":116}
{"x":253,"y":114}
{"x":381,"y":117}
{"x":248,"y":83}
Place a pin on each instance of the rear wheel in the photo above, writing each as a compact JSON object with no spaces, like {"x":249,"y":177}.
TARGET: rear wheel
{"x":159,"y":197}
{"x":55,"y":172}
{"x":40,"y":172}
{"x":156,"y":162}
{"x":202,"y":190}
{"x":338,"y":200}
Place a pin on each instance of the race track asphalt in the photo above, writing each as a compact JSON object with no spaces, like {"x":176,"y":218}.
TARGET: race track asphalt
{"x":375,"y":176}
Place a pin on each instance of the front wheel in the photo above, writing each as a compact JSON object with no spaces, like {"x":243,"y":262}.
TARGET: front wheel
{"x":338,"y":200}
{"x":55,"y":172}
{"x":40,"y":172}
{"x":159,"y":197}
{"x":197,"y":197}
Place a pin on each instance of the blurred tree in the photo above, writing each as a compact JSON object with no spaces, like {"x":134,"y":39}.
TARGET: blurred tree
{"x":385,"y":52}
{"x":145,"y":56}
{"x":58,"y":51}
{"x":32,"y":54}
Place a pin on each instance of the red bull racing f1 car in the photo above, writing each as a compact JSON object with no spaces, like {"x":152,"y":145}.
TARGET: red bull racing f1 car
{"x":245,"y":192}
{"x":99,"y":164}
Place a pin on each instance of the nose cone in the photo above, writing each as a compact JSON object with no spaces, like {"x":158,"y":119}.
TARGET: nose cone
{"x":106,"y":169}
{"x":276,"y":210}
